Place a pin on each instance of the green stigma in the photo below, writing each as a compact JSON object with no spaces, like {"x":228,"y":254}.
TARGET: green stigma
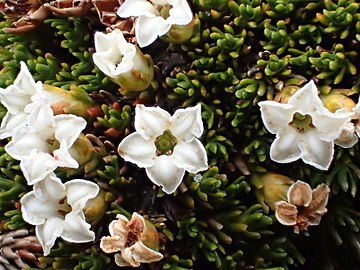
{"x":302,"y":123}
{"x":165,"y":143}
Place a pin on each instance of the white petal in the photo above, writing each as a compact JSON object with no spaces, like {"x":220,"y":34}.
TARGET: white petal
{"x":165,"y":173}
{"x":276,"y":115}
{"x":50,"y":187}
{"x":136,"y":8}
{"x":23,"y":141}
{"x":113,"y":60}
{"x":315,"y":151}
{"x":180,"y":13}
{"x":35,"y":211}
{"x":48,"y":232}
{"x":150,"y":122}
{"x":68,"y":127}
{"x":147,"y":29}
{"x":18,"y":95}
{"x":14,"y":99}
{"x":76,"y":229}
{"x":137,"y":150}
{"x":143,"y":254}
{"x":330,"y":125}
{"x":190,"y":156}
{"x":127,"y":260}
{"x":78,"y":192}
{"x":36,"y":166}
{"x":12,"y":121}
{"x":347,"y":137}
{"x":62,"y":157}
{"x":187,"y":123}
{"x":284,"y":148}
{"x":306,"y":99}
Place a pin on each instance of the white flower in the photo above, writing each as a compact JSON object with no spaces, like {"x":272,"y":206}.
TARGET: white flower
{"x":166,"y":146}
{"x":122,"y":61}
{"x":44,"y":145}
{"x":155,"y":17}
{"x":15,"y":98}
{"x":304,"y":128}
{"x":61,"y":214}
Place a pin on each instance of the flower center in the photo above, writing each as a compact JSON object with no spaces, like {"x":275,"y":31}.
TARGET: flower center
{"x":302,"y":123}
{"x":131,"y":239}
{"x":53,"y":144}
{"x":165,"y":143}
{"x":162,"y":9}
{"x":63,"y":207}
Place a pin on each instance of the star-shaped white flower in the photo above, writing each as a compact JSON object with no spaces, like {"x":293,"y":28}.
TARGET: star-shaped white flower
{"x":61,"y":214}
{"x":123,"y":62}
{"x":304,"y":128}
{"x":155,"y":17}
{"x":166,"y":146}
{"x":44,"y":144}
{"x":15,"y":98}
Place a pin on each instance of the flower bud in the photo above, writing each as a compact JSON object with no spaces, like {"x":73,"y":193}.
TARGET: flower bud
{"x":179,"y":34}
{"x":76,"y":101}
{"x":334,"y":102}
{"x":95,"y":209}
{"x":270,"y":188}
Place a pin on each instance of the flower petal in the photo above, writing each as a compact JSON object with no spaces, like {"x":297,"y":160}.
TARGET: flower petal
{"x":284,"y":148}
{"x":143,"y":254}
{"x":76,"y":229}
{"x":150,"y":122}
{"x":50,"y":187}
{"x":136,"y":8}
{"x":306,"y":99}
{"x":180,"y":13}
{"x":118,"y":227}
{"x":111,"y":244}
{"x":347,"y":137}
{"x":320,"y":196}
{"x":113,"y":60}
{"x":35,"y":211}
{"x":125,"y":259}
{"x":300,"y":194}
{"x":36,"y":166}
{"x":316,"y":152}
{"x":62,"y":157}
{"x":276,"y":115}
{"x":187,"y":123}
{"x":165,"y":173}
{"x":135,"y":149}
{"x":24,"y":140}
{"x":78,"y":192}
{"x":286,"y":213}
{"x":68,"y":127}
{"x":147,"y":29}
{"x":16,"y":96}
{"x":48,"y":232}
{"x":330,"y":125}
{"x":190,"y":156}
{"x":12,"y":121}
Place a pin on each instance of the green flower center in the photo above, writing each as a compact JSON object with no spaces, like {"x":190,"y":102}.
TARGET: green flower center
{"x":165,"y":143}
{"x":64,"y":208}
{"x":302,"y":123}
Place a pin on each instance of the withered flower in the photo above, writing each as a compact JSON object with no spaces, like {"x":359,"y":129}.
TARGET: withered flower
{"x":304,"y":207}
{"x":135,"y":240}
{"x":30,"y":13}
